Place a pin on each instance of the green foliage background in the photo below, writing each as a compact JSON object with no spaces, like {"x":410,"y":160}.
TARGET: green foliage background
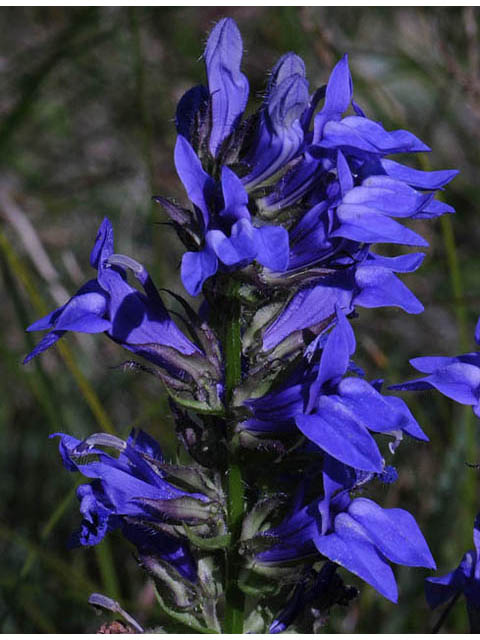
{"x":87,"y":98}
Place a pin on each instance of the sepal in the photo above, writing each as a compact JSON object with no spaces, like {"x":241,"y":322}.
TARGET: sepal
{"x":257,"y":580}
{"x":191,"y":479}
{"x":186,"y":618}
{"x":184,"y":509}
{"x":177,"y":214}
{"x":207,"y":543}
{"x":202,"y":441}
{"x":200,"y":389}
{"x":256,"y":518}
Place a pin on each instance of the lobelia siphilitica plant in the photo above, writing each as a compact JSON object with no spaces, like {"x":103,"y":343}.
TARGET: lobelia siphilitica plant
{"x":284,"y":431}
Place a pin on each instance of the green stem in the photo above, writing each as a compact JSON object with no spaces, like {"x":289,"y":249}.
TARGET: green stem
{"x":234,"y":598}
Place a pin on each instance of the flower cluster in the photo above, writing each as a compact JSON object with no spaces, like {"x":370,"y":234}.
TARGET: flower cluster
{"x":284,"y":207}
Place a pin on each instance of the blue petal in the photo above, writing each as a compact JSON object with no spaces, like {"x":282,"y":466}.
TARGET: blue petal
{"x":379,"y":287}
{"x":337,"y":97}
{"x":138,"y":319}
{"x":66,"y":445}
{"x":45,"y":343}
{"x":433,"y":209}
{"x":410,"y":425}
{"x":227,"y":85}
{"x":293,"y":185}
{"x":430,"y":364}
{"x":310,"y":240}
{"x":191,"y":103}
{"x":278,"y":408}
{"x":83,"y":312}
{"x":308,"y":307}
{"x":349,"y":547}
{"x":125,"y":490}
{"x":151,"y":541}
{"x":388,"y":196}
{"x":48,"y":321}
{"x":458,"y":381}
{"x":376,"y":411}
{"x":141,"y":441}
{"x":394,"y":532}
{"x":198,"y":184}
{"x":286,"y":103}
{"x":240,"y":248}
{"x":357,"y":135}
{"x":403,"y":264}
{"x":416,"y":178}
{"x":476,"y":537}
{"x":344,"y":174}
{"x":280,"y":134}
{"x":336,"y":477}
{"x":98,"y":519}
{"x":335,"y":430}
{"x":290,"y":611}
{"x":287,"y":66}
{"x":235,"y":197}
{"x":335,"y":358}
{"x":296,"y":534}
{"x":103,"y":247}
{"x":359,"y":222}
{"x":272,"y":247}
{"x":197,"y":266}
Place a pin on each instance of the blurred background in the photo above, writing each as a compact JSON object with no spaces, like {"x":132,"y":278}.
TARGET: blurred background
{"x":87,"y":98}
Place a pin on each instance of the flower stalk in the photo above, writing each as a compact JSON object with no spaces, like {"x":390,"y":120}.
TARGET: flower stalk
{"x":234,"y":599}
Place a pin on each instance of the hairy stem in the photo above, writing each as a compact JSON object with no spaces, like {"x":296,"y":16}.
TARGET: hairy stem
{"x":234,"y":598}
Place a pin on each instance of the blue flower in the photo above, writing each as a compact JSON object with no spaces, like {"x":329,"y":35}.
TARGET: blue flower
{"x":456,"y":377}
{"x":464,"y":579}
{"x":227,"y":86}
{"x":364,"y":279}
{"x":228,"y":236}
{"x":138,"y":321}
{"x":357,"y":534}
{"x":354,"y":145}
{"x":279,"y":134}
{"x":333,"y":410}
{"x":320,"y":176}
{"x":119,"y":493}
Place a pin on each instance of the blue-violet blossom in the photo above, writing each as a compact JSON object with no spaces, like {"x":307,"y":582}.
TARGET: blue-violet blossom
{"x":138,"y":321}
{"x":119,"y":493}
{"x":334,"y":411}
{"x":357,"y":533}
